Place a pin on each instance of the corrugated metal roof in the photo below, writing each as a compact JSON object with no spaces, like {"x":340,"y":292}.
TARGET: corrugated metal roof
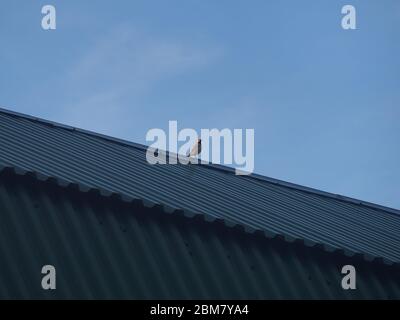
{"x":106,"y":249}
{"x":254,"y":202}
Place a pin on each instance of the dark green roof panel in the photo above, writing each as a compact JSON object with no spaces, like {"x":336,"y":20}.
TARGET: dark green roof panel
{"x":106,"y":249}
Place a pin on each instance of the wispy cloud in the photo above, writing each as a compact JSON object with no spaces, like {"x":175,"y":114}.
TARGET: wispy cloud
{"x":123,"y":66}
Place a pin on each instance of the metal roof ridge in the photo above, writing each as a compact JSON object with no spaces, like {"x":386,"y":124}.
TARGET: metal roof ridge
{"x":214,"y":166}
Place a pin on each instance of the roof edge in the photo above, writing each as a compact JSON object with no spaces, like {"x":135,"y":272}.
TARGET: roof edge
{"x":218,"y":167}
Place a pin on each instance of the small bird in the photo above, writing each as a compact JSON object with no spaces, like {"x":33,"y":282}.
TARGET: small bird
{"x":196,"y":149}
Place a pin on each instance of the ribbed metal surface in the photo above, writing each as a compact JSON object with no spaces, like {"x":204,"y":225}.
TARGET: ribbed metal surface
{"x":256,"y":204}
{"x":104,"y":248}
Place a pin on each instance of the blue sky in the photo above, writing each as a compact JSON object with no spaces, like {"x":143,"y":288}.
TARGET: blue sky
{"x":324,"y":102}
